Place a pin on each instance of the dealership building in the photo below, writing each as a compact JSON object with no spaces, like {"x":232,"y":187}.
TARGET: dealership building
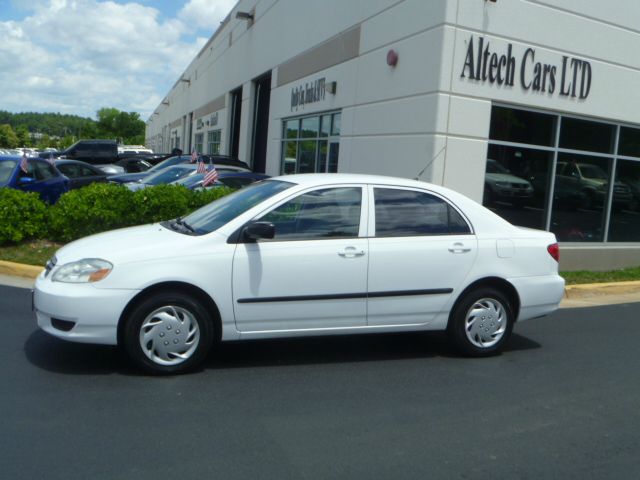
{"x":529,"y":106}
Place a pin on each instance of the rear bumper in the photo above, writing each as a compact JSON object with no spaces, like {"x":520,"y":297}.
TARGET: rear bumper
{"x":539,"y":295}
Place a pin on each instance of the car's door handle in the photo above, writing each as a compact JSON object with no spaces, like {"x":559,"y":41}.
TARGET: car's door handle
{"x":351,"y":252}
{"x":458,"y":248}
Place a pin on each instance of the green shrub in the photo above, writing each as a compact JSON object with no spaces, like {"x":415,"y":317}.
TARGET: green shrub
{"x":95,"y":208}
{"x":161,"y":202}
{"x":200,"y":198}
{"x":22,"y":215}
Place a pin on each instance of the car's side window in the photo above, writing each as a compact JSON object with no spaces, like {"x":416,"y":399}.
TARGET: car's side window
{"x":320,"y":214}
{"x":403,"y":213}
{"x":44,"y":171}
{"x":69,"y":170}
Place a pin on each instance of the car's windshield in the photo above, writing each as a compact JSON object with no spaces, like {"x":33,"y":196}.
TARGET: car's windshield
{"x":218,"y":213}
{"x":593,"y":171}
{"x":6,"y":167}
{"x":167,"y":163}
{"x":169,"y":175}
{"x":495,"y":167}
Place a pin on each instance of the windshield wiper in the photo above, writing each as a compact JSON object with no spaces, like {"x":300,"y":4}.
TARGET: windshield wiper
{"x":184,"y":224}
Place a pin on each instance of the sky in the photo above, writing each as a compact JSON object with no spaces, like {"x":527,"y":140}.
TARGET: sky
{"x":77,"y":56}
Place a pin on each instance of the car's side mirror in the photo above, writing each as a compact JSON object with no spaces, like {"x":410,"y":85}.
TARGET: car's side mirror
{"x":25,"y":180}
{"x":258,"y":230}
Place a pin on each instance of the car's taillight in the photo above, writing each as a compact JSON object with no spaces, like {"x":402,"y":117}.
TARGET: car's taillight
{"x":554,"y":251}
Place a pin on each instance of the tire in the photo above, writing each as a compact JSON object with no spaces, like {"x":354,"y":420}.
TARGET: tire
{"x":483,"y":307}
{"x":168,"y":333}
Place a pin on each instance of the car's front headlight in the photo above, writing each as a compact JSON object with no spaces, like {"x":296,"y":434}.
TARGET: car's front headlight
{"x":87,"y":270}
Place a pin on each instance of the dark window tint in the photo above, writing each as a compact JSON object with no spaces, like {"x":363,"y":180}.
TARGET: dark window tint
{"x":44,"y":171}
{"x":326,"y":213}
{"x":624,"y":225}
{"x":585,"y":135}
{"x":70,"y":170}
{"x":521,"y":126}
{"x":401,"y":213}
{"x":629,"y":143}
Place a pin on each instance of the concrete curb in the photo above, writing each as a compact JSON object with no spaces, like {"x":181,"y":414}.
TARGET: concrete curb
{"x":602,"y":289}
{"x":19,"y":269}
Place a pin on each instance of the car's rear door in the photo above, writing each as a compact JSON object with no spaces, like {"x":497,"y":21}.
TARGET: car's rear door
{"x":313,"y":274}
{"x":420,"y":250}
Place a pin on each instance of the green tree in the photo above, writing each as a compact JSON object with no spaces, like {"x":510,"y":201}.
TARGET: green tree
{"x":44,"y":142}
{"x":8,"y":137}
{"x":24,"y":137}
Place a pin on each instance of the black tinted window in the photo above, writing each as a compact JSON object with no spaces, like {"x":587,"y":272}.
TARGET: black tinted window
{"x":579,"y":134}
{"x":402,"y":213}
{"x":522,"y":126}
{"x":327,"y":213}
{"x":44,"y":171}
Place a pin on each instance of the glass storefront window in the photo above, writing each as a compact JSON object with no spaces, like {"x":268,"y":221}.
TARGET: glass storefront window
{"x":310,"y":127}
{"x":213,"y":142}
{"x":576,"y":134}
{"x":522,"y":126}
{"x":579,"y":204}
{"x":289,"y":157}
{"x":198,"y":143}
{"x":629,"y":143}
{"x":310,"y":144}
{"x":516,"y":184}
{"x":624,"y":225}
{"x":584,"y":179}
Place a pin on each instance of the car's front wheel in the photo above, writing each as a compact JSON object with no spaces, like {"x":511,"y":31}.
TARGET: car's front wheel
{"x":481,"y":322}
{"x":168,"y":333}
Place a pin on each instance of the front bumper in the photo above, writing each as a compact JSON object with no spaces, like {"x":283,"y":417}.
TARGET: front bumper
{"x":79,"y":312}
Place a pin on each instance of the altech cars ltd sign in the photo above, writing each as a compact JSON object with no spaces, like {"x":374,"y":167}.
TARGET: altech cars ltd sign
{"x":571,"y":77}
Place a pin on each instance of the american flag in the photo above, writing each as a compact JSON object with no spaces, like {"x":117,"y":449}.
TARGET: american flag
{"x":194,"y":155}
{"x":23,"y":163}
{"x":51,"y":159}
{"x":210,"y":177}
{"x":201,"y":167}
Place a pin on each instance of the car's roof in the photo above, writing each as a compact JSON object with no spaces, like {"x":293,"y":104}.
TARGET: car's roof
{"x":313,"y":179}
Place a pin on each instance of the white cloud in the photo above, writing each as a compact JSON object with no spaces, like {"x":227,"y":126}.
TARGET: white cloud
{"x":76,"y":56}
{"x":205,"y":14}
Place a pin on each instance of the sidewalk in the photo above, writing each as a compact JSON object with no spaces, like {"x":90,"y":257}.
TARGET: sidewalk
{"x":575,"y":296}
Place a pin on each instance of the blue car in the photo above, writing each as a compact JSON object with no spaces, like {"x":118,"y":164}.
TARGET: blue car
{"x":41,"y":177}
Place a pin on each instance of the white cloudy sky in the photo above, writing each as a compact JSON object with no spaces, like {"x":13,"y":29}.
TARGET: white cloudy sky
{"x":76,"y":56}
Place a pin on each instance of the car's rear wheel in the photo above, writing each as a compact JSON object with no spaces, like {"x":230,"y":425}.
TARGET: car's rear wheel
{"x":168,"y":333}
{"x":481,"y":322}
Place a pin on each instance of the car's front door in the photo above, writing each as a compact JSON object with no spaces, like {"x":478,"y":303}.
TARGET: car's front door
{"x":420,"y":251}
{"x":313,"y":274}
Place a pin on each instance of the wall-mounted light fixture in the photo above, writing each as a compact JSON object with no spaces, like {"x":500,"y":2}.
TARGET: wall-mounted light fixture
{"x":165,"y":102}
{"x":392,"y":58}
{"x":331,"y":87}
{"x":186,"y":80}
{"x":244,"y":16}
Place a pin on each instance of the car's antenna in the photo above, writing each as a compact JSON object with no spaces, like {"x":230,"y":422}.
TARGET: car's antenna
{"x":430,"y":162}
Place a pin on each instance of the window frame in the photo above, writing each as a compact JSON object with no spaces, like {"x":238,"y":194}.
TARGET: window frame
{"x":556,"y":149}
{"x":364,"y":212}
{"x":328,"y":138}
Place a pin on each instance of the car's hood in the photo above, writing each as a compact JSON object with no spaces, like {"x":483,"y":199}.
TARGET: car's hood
{"x":505,"y":177}
{"x":128,"y":244}
{"x":127,"y":177}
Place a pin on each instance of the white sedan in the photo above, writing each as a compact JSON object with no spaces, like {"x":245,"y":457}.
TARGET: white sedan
{"x":317,"y":254}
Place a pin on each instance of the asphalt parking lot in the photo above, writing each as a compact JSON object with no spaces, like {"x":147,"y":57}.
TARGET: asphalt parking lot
{"x":562,"y":402}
